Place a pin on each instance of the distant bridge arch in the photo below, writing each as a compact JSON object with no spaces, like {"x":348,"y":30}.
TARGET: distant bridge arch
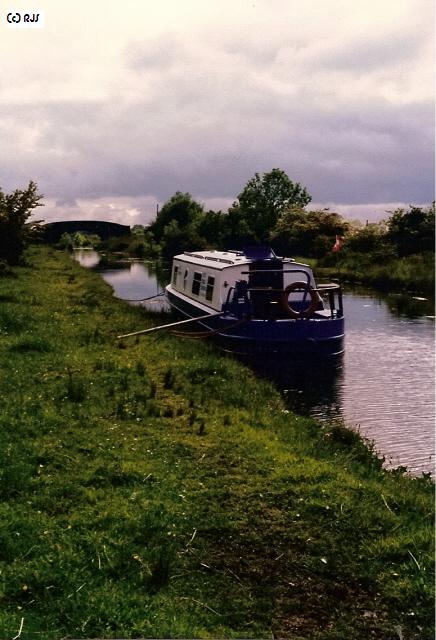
{"x":54,"y":230}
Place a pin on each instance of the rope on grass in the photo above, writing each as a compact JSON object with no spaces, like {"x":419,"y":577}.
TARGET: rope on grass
{"x":20,"y":630}
{"x":198,"y":335}
{"x":144,"y":299}
{"x":171,"y":324}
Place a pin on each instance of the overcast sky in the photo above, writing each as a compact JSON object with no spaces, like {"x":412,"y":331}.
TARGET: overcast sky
{"x":113,"y":106}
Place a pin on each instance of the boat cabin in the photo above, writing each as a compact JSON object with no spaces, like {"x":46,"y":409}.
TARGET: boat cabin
{"x":217,"y":279}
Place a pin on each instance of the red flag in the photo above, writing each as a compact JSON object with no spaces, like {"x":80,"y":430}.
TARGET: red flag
{"x":338,"y":244}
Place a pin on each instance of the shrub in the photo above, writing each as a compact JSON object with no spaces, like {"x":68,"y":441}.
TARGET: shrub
{"x":15,"y":209}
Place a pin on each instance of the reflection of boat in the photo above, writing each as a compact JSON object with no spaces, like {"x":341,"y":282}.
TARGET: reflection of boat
{"x":310,"y":390}
{"x":256,"y":302}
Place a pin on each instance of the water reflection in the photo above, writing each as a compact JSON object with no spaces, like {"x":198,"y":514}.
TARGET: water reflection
{"x":131,"y":280}
{"x":401,"y":305}
{"x":87,"y":257}
{"x":313,"y":391}
{"x":409,"y":306}
{"x":384,"y":383}
{"x":388,"y":386}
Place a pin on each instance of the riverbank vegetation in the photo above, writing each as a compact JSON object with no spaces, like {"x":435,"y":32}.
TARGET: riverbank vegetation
{"x":397,"y":253}
{"x":146,"y":492}
{"x":15,"y":229}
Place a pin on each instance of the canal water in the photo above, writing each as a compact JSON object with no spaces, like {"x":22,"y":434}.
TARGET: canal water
{"x":384,"y":386}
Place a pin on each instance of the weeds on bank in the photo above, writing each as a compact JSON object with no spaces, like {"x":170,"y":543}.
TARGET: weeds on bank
{"x":161,"y":490}
{"x":412,"y":273}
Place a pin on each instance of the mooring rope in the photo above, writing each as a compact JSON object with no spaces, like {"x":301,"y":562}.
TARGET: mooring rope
{"x":171,"y":324}
{"x":144,"y":299}
{"x":198,"y":335}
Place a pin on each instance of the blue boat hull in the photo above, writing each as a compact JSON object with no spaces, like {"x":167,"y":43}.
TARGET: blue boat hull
{"x":321,"y":337}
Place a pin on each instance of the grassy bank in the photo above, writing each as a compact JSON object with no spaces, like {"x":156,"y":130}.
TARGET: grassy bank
{"x":412,"y":273}
{"x":157,"y":489}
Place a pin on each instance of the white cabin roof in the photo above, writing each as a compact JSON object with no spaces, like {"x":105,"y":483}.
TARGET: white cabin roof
{"x":217,"y":259}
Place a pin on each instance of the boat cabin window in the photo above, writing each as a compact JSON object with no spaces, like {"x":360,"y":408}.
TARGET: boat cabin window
{"x":196,"y":282}
{"x":175,"y":274}
{"x":209,"y":287}
{"x":185,"y":278}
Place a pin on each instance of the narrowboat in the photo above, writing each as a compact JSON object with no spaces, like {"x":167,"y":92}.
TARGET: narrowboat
{"x":254,"y":302}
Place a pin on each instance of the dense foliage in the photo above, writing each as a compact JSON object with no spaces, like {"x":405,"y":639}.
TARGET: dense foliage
{"x":264,"y":199}
{"x":15,"y":210}
{"x":412,"y":231}
{"x":307,"y":233}
{"x":178,"y":213}
{"x":79,"y":239}
{"x":183,"y":223}
{"x":271,"y":209}
{"x":394,"y":254}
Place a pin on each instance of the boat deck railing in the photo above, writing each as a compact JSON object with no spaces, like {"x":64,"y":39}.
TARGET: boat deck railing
{"x":278,"y":272}
{"x":333,"y":291}
{"x":243,"y":299}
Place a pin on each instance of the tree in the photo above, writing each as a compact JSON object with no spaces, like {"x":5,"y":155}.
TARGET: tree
{"x":178,"y":225}
{"x":307,"y":233}
{"x":266,"y":197}
{"x":211,"y":227}
{"x":66,"y":241}
{"x":15,"y":210}
{"x":137,"y":230}
{"x":370,"y":239}
{"x":237,"y":231}
{"x":181,"y":208}
{"x":412,"y":231}
{"x":81,"y":239}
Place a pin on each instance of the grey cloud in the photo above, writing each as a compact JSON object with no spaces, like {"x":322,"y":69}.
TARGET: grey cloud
{"x":369,"y":54}
{"x":154,"y":54}
{"x":210,"y":134}
{"x":382,"y":155}
{"x":258,"y":51}
{"x":68,"y":203}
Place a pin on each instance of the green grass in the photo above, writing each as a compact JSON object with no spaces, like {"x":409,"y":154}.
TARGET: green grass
{"x":412,"y":273}
{"x":154,"y":488}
